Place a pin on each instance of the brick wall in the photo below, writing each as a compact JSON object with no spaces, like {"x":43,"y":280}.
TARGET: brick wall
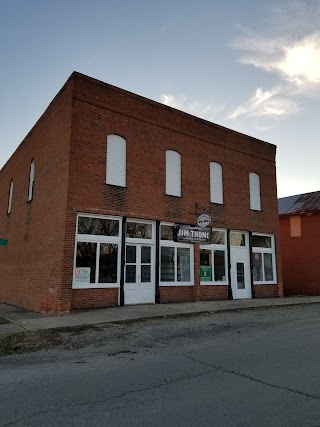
{"x":301,"y":256}
{"x":69,"y":144}
{"x":31,"y":264}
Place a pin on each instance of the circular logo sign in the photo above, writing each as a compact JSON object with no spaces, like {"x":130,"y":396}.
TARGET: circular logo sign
{"x":203,"y":220}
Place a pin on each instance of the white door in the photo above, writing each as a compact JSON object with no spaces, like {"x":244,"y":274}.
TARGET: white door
{"x":240,"y":272}
{"x":139,"y":284}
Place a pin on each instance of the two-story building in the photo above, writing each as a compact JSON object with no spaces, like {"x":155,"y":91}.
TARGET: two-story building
{"x":115,"y":199}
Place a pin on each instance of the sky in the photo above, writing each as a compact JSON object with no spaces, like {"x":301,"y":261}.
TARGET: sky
{"x":249,"y":65}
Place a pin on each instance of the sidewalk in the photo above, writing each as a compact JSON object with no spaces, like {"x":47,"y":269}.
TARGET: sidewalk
{"x":27,"y":321}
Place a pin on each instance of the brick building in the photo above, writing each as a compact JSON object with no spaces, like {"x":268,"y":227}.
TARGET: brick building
{"x":299,"y":218}
{"x":115,"y":199}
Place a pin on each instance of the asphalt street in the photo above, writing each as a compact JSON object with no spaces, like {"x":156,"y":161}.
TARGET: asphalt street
{"x":250,"y":368}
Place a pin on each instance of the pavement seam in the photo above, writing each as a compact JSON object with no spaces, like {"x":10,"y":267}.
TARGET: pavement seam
{"x":246,"y":376}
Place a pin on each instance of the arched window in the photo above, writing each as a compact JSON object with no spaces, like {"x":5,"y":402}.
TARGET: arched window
{"x":173,"y":173}
{"x":31,"y":180}
{"x":254,"y":185}
{"x":116,"y":161}
{"x":10,"y":196}
{"x":216,"y":185}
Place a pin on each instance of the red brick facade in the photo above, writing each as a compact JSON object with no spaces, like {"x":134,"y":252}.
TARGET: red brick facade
{"x":68,"y":144}
{"x":301,"y":255}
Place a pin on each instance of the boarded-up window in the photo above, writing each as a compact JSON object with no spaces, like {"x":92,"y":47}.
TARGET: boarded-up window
{"x":216,"y":187}
{"x":31,"y":180}
{"x":116,"y":160}
{"x":10,"y":196}
{"x":173,"y":173}
{"x":254,"y":185}
{"x":295,"y":226}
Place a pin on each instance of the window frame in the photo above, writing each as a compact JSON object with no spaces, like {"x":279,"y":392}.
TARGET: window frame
{"x":216,"y":188}
{"x":262,"y":251}
{"x":216,"y":247}
{"x":31,"y":180}
{"x":175,"y":174}
{"x":176,"y":245}
{"x":98,"y":239}
{"x":10,"y":197}
{"x":255,"y":203}
{"x":113,"y":178}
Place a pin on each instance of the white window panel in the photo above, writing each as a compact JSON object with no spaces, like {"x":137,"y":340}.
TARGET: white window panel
{"x":10,"y":196}
{"x":116,"y":160}
{"x":31,"y":180}
{"x":216,"y":185}
{"x":255,"y":197}
{"x":173,"y":173}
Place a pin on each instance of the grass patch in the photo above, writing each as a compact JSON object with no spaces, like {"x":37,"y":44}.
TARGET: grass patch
{"x":4,"y":321}
{"x":28,"y":341}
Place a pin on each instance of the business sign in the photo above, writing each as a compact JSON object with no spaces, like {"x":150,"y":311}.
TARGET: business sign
{"x":3,"y":242}
{"x":203,"y":220}
{"x":82,"y":275}
{"x":186,"y":233}
{"x":205,"y":273}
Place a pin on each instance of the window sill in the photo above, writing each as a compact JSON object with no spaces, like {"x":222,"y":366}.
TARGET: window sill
{"x":214,"y":283}
{"x":95,"y":286}
{"x":176,"y":284}
{"x":265,"y":283}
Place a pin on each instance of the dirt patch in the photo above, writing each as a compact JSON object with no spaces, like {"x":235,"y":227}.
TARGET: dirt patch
{"x":4,"y":321}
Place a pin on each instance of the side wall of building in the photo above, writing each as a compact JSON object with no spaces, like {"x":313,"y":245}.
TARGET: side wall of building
{"x":301,"y":256}
{"x":31,"y":264}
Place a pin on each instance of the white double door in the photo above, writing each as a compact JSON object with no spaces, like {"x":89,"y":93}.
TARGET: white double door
{"x":139,"y":283}
{"x":240,"y":272}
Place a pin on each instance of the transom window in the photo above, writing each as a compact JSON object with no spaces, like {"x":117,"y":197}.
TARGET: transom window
{"x":138,"y":230}
{"x":237,"y":239}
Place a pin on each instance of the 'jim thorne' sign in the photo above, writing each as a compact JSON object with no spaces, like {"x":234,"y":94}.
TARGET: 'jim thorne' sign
{"x":186,"y":233}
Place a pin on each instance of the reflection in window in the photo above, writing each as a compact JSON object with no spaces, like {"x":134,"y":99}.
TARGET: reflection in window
{"x":108,"y":263}
{"x":237,"y":239}
{"x":131,"y":254}
{"x":268,"y":267}
{"x":218,"y":237}
{"x":240,"y":275}
{"x":131,"y":273}
{"x":257,"y":267}
{"x":166,"y":232}
{"x":219,"y":266}
{"x":31,"y":180}
{"x":10,"y":196}
{"x":139,"y":230}
{"x":183,"y":261}
{"x":86,"y":257}
{"x":98,"y":226}
{"x":261,"y":241}
{"x":167,"y":264}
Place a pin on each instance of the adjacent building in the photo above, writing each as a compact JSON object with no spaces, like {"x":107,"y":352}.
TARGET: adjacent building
{"x":299,"y":218}
{"x":115,"y":199}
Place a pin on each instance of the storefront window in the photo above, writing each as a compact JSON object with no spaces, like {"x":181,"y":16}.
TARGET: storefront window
{"x":167,"y":264}
{"x":213,"y":259}
{"x":183,"y":258}
{"x":97,"y":252}
{"x":263,"y":259}
{"x":237,"y":239}
{"x":218,"y":237}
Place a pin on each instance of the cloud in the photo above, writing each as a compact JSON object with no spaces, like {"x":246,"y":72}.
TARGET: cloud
{"x":290,"y":52}
{"x":207,"y":111}
{"x":269,"y":104}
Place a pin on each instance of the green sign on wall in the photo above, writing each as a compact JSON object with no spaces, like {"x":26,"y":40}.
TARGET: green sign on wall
{"x":205,"y":273}
{"x":3,"y":242}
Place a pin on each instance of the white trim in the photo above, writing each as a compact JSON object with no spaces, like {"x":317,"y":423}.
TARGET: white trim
{"x":216,"y":183}
{"x":255,"y":192}
{"x":116,"y":160}
{"x":173,"y":173}
{"x":140,"y":240}
{"x":271,"y":251}
{"x":98,"y":239}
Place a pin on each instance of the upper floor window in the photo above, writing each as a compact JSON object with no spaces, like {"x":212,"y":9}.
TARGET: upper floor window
{"x":173,"y":173}
{"x":31,"y":180}
{"x":216,"y":186}
{"x":255,"y":197}
{"x":10,"y":196}
{"x":116,"y":161}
